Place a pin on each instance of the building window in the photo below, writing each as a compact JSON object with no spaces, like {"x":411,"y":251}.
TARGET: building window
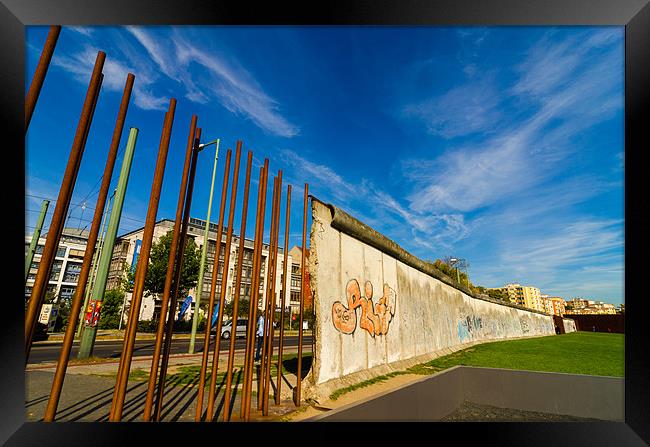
{"x":56,"y":270}
{"x":60,"y":253}
{"x":67,"y":292}
{"x":76,"y":254}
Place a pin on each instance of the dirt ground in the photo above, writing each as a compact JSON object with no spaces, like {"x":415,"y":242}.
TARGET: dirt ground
{"x":472,"y":412}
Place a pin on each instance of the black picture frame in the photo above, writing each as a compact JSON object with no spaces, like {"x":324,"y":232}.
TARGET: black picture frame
{"x":633,"y":14}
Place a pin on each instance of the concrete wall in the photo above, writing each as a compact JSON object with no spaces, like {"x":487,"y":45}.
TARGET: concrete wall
{"x":374,"y":311}
{"x":599,"y":323}
{"x":569,"y":325}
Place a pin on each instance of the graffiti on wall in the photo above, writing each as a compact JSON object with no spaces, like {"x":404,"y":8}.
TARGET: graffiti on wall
{"x":375,"y":319}
{"x":467,"y":325}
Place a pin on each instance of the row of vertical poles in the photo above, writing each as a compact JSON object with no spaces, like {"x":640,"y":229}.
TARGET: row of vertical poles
{"x":170,"y":270}
{"x":282,"y":299}
{"x":100,"y":282}
{"x":177,"y":278}
{"x":103,"y":265}
{"x":264,"y":369}
{"x":62,"y":204}
{"x":165,"y":328}
{"x":211,"y":309}
{"x":255,"y":288}
{"x":267,"y":352}
{"x":238,"y":273}
{"x":224,"y":287}
{"x":141,"y":269}
{"x":204,"y":251}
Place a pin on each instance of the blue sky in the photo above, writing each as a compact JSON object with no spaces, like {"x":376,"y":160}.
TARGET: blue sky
{"x":500,"y":145}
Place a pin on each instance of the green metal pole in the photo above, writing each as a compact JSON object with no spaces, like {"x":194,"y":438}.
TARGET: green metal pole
{"x":199,"y":284}
{"x":88,"y":337}
{"x":93,"y":268}
{"x":35,"y":237}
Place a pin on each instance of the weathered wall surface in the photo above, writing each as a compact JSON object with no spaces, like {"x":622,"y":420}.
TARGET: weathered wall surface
{"x":569,"y":325}
{"x":373,"y":309}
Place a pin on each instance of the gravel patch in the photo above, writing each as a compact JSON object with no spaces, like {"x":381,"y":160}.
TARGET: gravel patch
{"x":470,"y":411}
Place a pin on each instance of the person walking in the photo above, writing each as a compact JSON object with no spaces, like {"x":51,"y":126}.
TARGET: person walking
{"x":260,"y":336}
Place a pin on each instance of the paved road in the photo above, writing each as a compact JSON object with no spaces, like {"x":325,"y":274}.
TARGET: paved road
{"x":49,"y":352}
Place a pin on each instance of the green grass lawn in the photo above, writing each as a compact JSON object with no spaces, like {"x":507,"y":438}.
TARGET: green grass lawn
{"x":592,"y":353}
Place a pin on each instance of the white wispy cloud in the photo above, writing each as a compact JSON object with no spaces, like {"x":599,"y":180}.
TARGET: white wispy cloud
{"x":80,"y":65}
{"x":83,"y":30}
{"x":172,"y":56}
{"x":221,"y":79}
{"x":519,"y":189}
{"x":520,"y":156}
{"x":374,"y":206}
{"x":463,"y":110}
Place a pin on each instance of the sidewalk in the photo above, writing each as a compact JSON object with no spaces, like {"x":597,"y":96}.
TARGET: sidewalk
{"x":88,"y":389}
{"x":114,"y":334}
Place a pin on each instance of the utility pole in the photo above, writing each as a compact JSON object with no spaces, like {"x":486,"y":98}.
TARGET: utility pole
{"x":35,"y":237}
{"x":90,"y":331}
{"x":199,"y":284}
{"x":93,"y":268}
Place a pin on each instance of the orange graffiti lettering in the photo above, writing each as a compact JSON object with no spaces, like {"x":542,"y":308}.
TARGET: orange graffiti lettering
{"x":374,"y":319}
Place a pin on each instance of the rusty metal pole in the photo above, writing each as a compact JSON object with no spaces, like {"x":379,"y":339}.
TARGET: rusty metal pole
{"x":267,"y":378}
{"x":141,"y":270}
{"x":133,"y":313}
{"x":303,"y":266}
{"x":224,"y":286}
{"x":255,"y":287}
{"x":177,"y":280}
{"x":68,"y":339}
{"x":284,"y":292}
{"x":235,"y":309}
{"x":170,"y":272}
{"x":265,"y":363}
{"x":62,"y":204}
{"x":269,"y":271}
{"x":39,"y":74}
{"x":253,"y":296}
{"x":215,"y":271}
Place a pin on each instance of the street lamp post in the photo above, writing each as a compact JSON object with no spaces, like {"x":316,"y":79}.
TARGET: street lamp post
{"x":454,"y":263}
{"x":199,"y":284}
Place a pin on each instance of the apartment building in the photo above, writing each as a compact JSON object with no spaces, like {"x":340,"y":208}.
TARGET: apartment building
{"x":67,"y":263}
{"x":126,"y":253}
{"x":581,"y":306}
{"x":557,"y":305}
{"x":526,"y":296}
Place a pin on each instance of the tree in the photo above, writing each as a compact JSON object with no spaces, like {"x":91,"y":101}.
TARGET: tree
{"x":111,"y":309}
{"x":242,"y":308}
{"x":154,"y":282}
{"x":497,"y":294}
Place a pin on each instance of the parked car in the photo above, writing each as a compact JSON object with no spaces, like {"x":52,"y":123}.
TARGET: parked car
{"x":226,"y":328}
